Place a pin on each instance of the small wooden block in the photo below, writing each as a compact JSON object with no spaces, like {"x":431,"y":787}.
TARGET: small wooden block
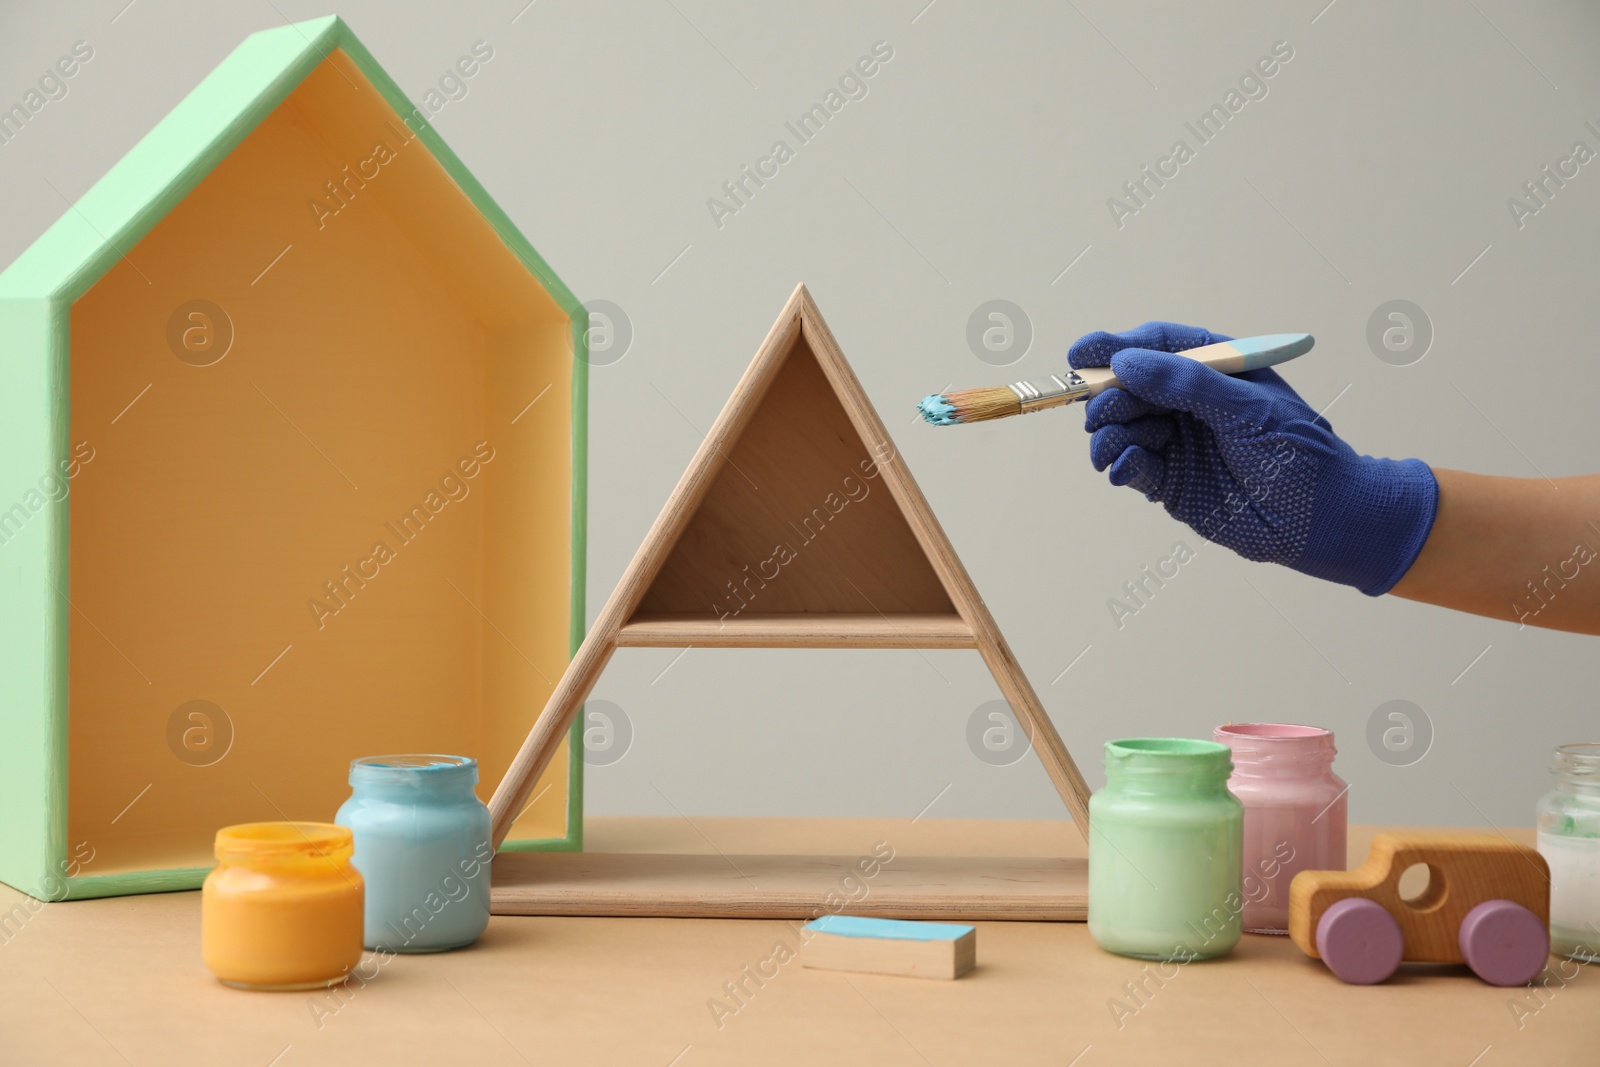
{"x":889,"y":946}
{"x":1464,"y":870}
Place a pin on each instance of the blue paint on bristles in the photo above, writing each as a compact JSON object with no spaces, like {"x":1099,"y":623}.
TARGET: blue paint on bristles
{"x":937,"y":410}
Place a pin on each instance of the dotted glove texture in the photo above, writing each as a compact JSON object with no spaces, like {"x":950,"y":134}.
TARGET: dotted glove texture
{"x":1244,"y":462}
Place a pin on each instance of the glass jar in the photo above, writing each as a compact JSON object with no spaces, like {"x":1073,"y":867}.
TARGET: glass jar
{"x":422,"y":841}
{"x":1569,"y":841}
{"x":282,"y":908}
{"x":1164,"y":851}
{"x":1295,"y":812}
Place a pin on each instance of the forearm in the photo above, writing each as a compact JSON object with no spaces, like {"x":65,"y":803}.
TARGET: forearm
{"x":1520,"y":549}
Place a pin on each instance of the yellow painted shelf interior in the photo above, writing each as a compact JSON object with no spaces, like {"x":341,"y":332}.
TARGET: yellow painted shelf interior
{"x":373,"y":349}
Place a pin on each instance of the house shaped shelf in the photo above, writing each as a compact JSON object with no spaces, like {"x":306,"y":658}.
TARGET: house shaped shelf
{"x":267,"y":376}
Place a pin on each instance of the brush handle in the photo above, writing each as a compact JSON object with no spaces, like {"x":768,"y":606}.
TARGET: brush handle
{"x":1229,"y":357}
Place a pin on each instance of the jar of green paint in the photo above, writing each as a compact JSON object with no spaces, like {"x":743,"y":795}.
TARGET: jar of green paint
{"x":1165,"y":851}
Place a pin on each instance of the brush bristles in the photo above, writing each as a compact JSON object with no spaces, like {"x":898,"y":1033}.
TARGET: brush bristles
{"x":982,"y":405}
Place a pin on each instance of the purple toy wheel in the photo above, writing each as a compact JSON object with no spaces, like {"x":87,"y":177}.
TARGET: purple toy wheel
{"x":1360,"y":941}
{"x":1504,"y":943}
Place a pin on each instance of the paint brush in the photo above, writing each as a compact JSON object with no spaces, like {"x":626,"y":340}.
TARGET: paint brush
{"x":1002,"y":401}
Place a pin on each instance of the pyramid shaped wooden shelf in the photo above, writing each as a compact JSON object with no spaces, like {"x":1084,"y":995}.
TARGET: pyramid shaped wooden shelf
{"x":797,"y":525}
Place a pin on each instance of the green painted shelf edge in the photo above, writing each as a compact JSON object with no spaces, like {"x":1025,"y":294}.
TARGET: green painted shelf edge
{"x":36,"y":295}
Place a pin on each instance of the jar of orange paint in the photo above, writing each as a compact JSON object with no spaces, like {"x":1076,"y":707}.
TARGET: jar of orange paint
{"x":283,"y":907}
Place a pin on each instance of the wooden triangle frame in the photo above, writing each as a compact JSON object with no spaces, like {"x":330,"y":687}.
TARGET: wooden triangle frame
{"x":779,"y":536}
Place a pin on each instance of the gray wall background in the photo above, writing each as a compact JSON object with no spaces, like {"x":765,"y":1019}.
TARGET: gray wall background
{"x":978,"y":167}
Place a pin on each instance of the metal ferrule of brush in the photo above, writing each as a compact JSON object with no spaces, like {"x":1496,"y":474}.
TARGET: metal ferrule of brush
{"x":1051,"y":392}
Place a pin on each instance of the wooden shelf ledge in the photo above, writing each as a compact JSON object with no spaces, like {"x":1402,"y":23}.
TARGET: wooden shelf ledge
{"x":677,"y":885}
{"x":801,"y":630}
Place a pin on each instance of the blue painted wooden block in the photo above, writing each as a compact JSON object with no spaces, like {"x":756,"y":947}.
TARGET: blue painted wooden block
{"x":889,"y":946}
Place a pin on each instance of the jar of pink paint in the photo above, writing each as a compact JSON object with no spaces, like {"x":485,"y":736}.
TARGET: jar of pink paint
{"x":1294,"y":812}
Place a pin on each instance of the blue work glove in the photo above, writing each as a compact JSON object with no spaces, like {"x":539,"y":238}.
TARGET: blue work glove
{"x":1246,"y":463}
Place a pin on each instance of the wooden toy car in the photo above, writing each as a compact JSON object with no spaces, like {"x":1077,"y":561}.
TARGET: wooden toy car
{"x":1487,"y":904}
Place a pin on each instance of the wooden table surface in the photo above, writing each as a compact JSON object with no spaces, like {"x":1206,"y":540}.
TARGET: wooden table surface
{"x":119,"y":981}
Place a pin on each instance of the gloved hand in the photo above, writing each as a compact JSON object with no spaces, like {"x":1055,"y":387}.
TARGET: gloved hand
{"x":1246,"y":463}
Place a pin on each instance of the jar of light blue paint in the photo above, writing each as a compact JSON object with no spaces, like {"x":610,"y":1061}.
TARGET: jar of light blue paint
{"x":422,"y":846}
